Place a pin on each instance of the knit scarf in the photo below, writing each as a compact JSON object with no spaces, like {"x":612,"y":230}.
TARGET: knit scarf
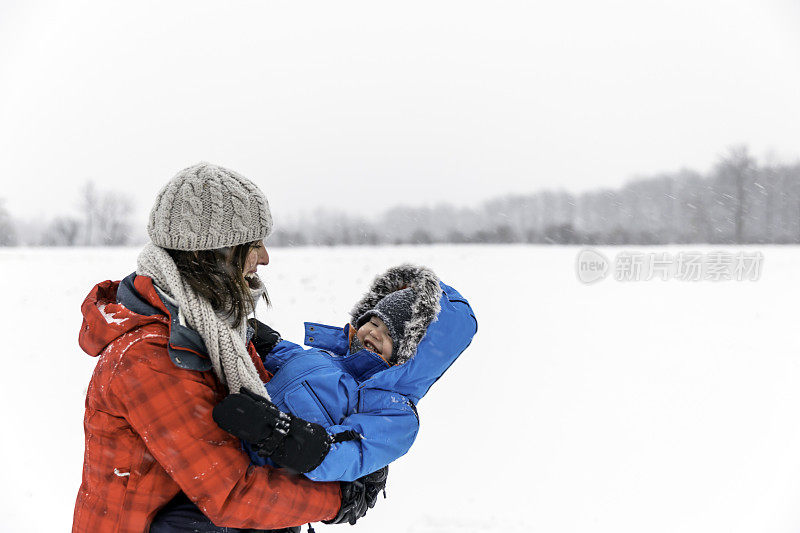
{"x":226,"y":345}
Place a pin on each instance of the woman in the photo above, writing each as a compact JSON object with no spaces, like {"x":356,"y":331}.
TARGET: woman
{"x":172,"y":341}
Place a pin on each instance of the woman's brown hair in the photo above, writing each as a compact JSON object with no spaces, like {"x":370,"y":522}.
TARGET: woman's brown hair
{"x":218,"y":276}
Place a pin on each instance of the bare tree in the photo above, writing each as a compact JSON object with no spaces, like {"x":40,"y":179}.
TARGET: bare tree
{"x":733,"y":173}
{"x":693,"y":199}
{"x":62,"y":231}
{"x":106,"y":217}
{"x":8,"y":233}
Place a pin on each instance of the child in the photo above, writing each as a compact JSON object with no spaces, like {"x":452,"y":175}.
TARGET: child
{"x":361,"y":383}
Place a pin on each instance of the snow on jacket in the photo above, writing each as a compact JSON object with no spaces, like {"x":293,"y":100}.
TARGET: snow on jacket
{"x":149,"y":432}
{"x":359,"y":391}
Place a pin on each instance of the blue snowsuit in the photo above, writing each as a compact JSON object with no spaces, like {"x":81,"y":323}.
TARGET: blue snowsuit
{"x":359,"y":391}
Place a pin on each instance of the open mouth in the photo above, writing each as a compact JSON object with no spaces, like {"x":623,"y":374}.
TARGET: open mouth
{"x":371,"y":347}
{"x":252,"y":280}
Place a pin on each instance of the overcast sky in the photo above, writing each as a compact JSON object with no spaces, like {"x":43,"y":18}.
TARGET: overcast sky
{"x":363,"y":105}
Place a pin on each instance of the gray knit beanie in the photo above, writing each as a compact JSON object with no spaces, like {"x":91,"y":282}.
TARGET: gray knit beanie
{"x":395,"y":311}
{"x":205,"y":207}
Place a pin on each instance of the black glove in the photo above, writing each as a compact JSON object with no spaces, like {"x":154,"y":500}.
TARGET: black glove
{"x":359,"y":495}
{"x":289,"y":441}
{"x":375,"y":483}
{"x":354,"y":503}
{"x":265,"y":338}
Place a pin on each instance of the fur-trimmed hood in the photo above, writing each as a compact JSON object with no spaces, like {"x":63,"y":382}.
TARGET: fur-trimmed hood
{"x":442,"y":327}
{"x":424,"y":309}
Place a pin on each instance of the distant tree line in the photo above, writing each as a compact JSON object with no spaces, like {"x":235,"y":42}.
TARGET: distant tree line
{"x":737,"y":202}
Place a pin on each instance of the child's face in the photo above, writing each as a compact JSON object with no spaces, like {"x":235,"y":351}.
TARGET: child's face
{"x":374,"y":335}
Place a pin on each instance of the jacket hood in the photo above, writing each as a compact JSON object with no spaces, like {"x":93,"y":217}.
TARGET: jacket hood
{"x":424,"y":307}
{"x":114,"y":308}
{"x":446,"y":338}
{"x":442,"y":326}
{"x":105,"y":319}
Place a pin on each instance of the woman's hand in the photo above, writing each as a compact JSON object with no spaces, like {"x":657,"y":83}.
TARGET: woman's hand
{"x":360,"y":495}
{"x":375,"y":483}
{"x":265,"y":338}
{"x":289,"y":441}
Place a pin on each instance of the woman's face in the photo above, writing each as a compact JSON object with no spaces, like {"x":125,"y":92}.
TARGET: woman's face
{"x":256,"y":256}
{"x":374,"y":335}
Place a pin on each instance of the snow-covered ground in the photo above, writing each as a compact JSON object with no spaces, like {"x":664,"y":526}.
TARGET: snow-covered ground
{"x":616,"y":407}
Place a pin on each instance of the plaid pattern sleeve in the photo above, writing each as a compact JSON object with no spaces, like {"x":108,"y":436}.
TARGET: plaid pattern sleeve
{"x":170,"y":410}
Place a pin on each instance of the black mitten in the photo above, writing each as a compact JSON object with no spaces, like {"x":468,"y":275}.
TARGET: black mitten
{"x":286,"y":439}
{"x":265,"y":338}
{"x":304,"y":447}
{"x":252,"y":418}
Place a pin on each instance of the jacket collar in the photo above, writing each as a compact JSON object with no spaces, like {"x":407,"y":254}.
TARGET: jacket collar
{"x":362,"y":364}
{"x":186,"y":347}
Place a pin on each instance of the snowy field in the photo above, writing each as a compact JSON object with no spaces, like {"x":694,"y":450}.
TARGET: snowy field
{"x":617,"y":407}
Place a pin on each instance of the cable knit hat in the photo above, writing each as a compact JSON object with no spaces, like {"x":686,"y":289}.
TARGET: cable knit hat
{"x":205,"y":207}
{"x":395,"y":311}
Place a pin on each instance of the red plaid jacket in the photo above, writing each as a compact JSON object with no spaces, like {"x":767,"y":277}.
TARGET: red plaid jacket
{"x":149,"y":434}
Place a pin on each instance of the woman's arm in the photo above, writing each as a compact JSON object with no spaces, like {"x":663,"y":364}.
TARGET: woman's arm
{"x":170,"y":409}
